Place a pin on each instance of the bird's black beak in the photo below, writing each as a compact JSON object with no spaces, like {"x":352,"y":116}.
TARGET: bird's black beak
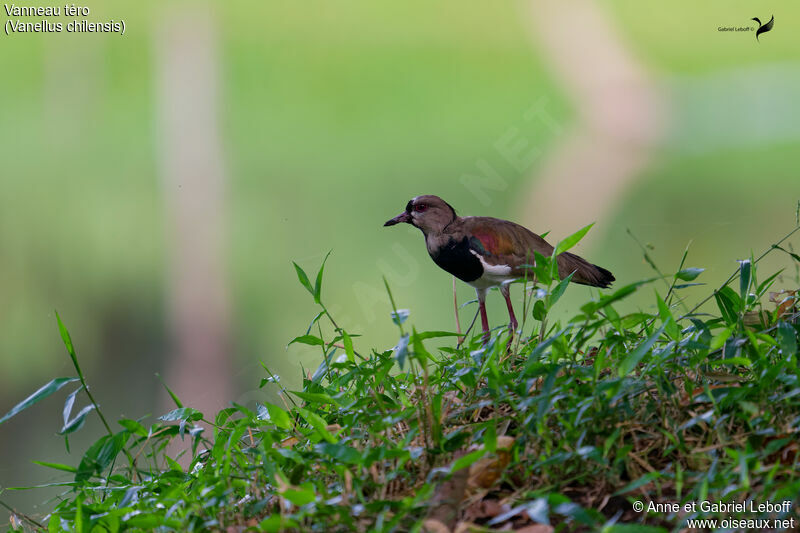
{"x":402,"y":217}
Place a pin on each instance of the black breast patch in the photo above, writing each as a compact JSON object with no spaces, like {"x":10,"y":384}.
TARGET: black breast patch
{"x":455,"y":257}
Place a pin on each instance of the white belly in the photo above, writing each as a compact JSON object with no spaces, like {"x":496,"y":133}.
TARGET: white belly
{"x":493,"y":275}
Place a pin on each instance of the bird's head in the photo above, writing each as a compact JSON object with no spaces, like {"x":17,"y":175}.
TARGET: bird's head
{"x":429,"y":213}
{"x":757,"y":20}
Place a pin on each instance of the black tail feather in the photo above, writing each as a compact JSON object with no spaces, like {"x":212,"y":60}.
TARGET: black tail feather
{"x":585,"y":273}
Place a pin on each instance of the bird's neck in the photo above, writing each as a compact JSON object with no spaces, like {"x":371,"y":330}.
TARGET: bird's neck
{"x":439,"y":232}
{"x":434,"y":239}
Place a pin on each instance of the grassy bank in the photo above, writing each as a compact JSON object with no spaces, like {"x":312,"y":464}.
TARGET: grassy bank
{"x":570,"y":425}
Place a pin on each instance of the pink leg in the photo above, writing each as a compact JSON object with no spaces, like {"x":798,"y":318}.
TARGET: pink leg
{"x":505,"y":291}
{"x":484,"y":318}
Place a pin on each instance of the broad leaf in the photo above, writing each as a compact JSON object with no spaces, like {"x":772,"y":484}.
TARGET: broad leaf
{"x":729,"y":304}
{"x":68,"y":343}
{"x":70,"y":401}
{"x":77,"y":422}
{"x":689,"y":274}
{"x":787,"y":339}
{"x":100,"y":455}
{"x":38,"y":396}
{"x":301,"y":275}
{"x":671,"y":327}
{"x":311,"y":340}
{"x":318,"y":285}
{"x":57,"y":466}
{"x":279,"y":417}
{"x":744,"y":278}
{"x":319,"y":425}
{"x":572,"y":240}
{"x":558,"y":290}
{"x":348,"y":347}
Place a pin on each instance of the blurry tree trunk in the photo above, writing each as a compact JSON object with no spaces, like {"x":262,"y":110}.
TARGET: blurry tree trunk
{"x":191,"y":164}
{"x":620,"y":117}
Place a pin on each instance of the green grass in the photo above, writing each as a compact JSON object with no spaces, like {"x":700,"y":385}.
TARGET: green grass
{"x":569,"y":424}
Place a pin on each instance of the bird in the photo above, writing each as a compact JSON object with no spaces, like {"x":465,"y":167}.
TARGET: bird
{"x":763,"y":28}
{"x":488,"y":252}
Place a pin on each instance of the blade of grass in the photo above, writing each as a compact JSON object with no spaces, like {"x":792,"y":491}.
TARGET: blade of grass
{"x":74,"y":356}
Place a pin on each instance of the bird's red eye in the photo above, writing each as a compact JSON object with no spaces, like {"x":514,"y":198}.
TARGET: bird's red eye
{"x":419,"y":208}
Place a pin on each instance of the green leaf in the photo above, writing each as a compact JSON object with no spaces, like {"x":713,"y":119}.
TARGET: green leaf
{"x":315,"y":397}
{"x":719,"y":339}
{"x":100,"y":455}
{"x":173,"y":464}
{"x":68,"y":343}
{"x":276,"y":523}
{"x":301,"y":275}
{"x":619,"y":294}
{"x":314,"y":321}
{"x":133,"y":426}
{"x":490,"y":437}
{"x":537,"y":352}
{"x":311,"y":340}
{"x":175,"y":399}
{"x":37,"y":396}
{"x":539,"y":311}
{"x":467,"y":460}
{"x":729,"y":304}
{"x":300,"y":496}
{"x":735,"y":361}
{"x":689,"y":274}
{"x":434,"y":334}
{"x":680,"y":286}
{"x":70,"y":401}
{"x":182,"y":413}
{"x":348,"y":347}
{"x":787,"y":339}
{"x":558,"y":291}
{"x":744,"y":278}
{"x":542,"y":267}
{"x":77,"y":422}
{"x":630,"y":362}
{"x":318,"y":423}
{"x":671,"y":327}
{"x":340,"y":452}
{"x":636,"y":483}
{"x":792,"y":254}
{"x":318,"y":285}
{"x":572,"y":240}
{"x":767,"y":283}
{"x":419,"y":349}
{"x":57,"y":466}
{"x":279,"y":417}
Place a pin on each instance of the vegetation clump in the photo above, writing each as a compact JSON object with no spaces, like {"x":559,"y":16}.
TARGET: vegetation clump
{"x":568,"y":426}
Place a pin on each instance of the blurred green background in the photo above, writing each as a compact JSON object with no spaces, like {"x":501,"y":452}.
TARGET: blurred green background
{"x":331,"y":116}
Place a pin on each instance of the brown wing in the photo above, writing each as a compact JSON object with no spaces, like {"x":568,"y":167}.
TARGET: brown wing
{"x":505,"y":243}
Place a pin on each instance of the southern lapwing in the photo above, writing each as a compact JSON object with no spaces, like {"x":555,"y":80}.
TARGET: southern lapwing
{"x":488,"y":252}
